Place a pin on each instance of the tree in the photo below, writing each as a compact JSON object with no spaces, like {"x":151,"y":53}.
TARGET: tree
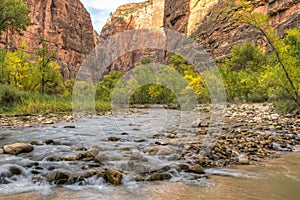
{"x":45,"y":57}
{"x":13,"y":16}
{"x":246,"y":56}
{"x":2,"y":58}
{"x":242,"y":12}
{"x":16,"y":69}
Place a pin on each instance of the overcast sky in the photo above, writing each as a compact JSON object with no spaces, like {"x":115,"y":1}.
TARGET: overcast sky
{"x":100,"y":10}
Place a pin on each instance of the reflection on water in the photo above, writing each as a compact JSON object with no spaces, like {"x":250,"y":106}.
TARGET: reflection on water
{"x":276,"y":180}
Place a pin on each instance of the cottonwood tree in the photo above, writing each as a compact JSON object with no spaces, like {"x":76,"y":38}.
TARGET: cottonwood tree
{"x":13,"y":16}
{"x":242,"y":12}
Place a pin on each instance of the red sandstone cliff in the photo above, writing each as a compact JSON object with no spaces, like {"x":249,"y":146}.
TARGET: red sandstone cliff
{"x":194,"y":17}
{"x":65,"y":24}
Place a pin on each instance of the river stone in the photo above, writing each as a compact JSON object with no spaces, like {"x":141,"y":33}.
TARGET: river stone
{"x":93,"y":152}
{"x":136,"y":156}
{"x":244,"y":160}
{"x":153,"y":151}
{"x":70,"y":126}
{"x":196,"y":169}
{"x":183,"y":166}
{"x":113,"y":139}
{"x":11,"y":171}
{"x":113,"y":176}
{"x":17,"y":148}
{"x":197,"y":123}
{"x":160,"y":177}
{"x":49,"y":141}
{"x":171,"y":135}
{"x":101,"y":157}
{"x":61,"y":178}
{"x":139,"y":179}
{"x":82,"y":148}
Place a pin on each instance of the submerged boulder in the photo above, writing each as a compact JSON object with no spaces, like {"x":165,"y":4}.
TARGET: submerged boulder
{"x":17,"y":148}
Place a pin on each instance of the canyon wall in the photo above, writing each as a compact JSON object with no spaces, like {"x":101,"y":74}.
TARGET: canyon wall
{"x":196,"y":18}
{"x":65,"y":24}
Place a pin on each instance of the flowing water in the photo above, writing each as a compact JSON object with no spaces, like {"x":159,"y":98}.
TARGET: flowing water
{"x":137,"y":132}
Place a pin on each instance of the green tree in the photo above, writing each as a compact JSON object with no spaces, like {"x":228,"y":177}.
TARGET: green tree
{"x":242,"y":12}
{"x":246,"y":56}
{"x":105,"y":87}
{"x":49,"y":77}
{"x":2,"y":58}
{"x":13,"y":16}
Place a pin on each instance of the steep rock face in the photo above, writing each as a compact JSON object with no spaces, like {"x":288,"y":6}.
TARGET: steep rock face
{"x":217,"y":37}
{"x":177,"y":15}
{"x":146,"y":15}
{"x":196,"y":19}
{"x":65,"y":24}
{"x":128,"y":17}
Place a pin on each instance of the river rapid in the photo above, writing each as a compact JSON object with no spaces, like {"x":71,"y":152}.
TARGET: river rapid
{"x":127,"y":142}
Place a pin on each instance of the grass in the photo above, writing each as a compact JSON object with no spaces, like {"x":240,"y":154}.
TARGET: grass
{"x":15,"y":101}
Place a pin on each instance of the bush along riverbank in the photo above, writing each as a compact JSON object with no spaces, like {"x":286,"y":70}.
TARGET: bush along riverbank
{"x":252,"y":134}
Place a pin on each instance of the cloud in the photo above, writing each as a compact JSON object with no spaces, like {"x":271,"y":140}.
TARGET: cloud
{"x":101,"y":9}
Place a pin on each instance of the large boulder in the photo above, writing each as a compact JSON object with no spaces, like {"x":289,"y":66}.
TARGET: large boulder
{"x":17,"y":148}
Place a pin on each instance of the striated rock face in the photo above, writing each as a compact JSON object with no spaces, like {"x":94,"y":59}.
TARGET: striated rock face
{"x":217,"y":37}
{"x":195,"y":18}
{"x":146,"y":15}
{"x":65,"y":24}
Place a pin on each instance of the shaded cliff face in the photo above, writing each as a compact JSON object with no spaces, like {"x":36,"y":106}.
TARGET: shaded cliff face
{"x":65,"y":24}
{"x":219,"y":36}
{"x":195,"y":18}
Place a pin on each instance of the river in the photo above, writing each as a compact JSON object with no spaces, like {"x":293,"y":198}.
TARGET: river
{"x":136,"y":133}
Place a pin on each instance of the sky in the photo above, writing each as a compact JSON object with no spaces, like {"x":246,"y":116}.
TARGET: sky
{"x":101,"y":9}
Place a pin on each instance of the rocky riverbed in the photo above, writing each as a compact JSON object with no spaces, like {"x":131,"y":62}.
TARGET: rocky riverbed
{"x":145,"y":146}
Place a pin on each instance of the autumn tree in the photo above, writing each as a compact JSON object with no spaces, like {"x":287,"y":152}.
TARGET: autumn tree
{"x":242,"y":12}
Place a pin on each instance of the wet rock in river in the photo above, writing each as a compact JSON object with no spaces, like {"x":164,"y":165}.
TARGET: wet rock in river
{"x":153,"y":151}
{"x":69,"y":126}
{"x":139,"y":140}
{"x":49,"y":141}
{"x":136,"y":156}
{"x":113,"y":139}
{"x":163,"y":143}
{"x":159,"y":177}
{"x":68,"y":158}
{"x":171,"y":135}
{"x":195,"y":169}
{"x":113,"y":176}
{"x":61,"y":178}
{"x":36,"y":143}
{"x":17,"y":148}
{"x":197,"y":123}
{"x":93,"y":152}
{"x":139,"y":179}
{"x":8,"y":171}
{"x":101,"y":157}
{"x":80,"y":149}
